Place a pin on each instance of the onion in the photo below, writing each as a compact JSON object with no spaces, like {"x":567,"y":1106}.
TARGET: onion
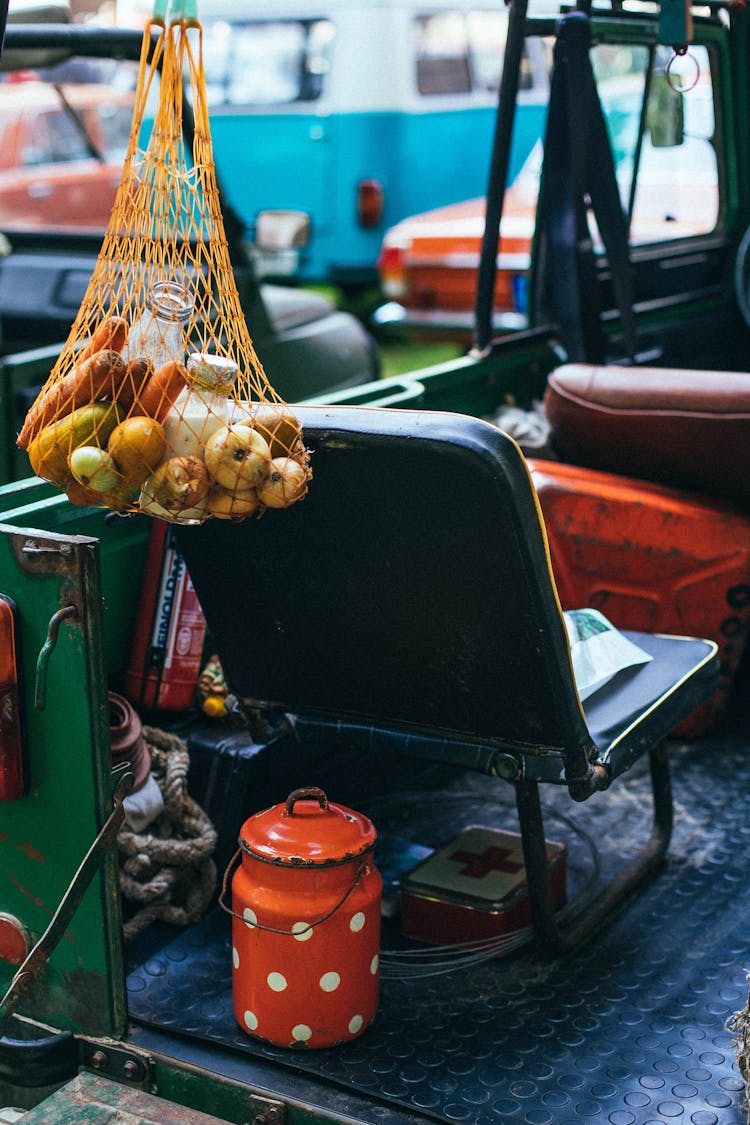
{"x":285,"y":484}
{"x":231,"y":506}
{"x":178,"y":483}
{"x":278,"y":425}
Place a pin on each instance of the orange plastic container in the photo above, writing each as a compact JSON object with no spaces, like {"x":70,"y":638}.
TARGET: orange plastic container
{"x":651,"y":558}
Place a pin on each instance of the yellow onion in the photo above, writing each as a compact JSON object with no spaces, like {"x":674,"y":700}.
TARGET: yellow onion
{"x":178,"y":483}
{"x":278,"y":425}
{"x":231,"y":505}
{"x":285,"y":484}
{"x":237,"y":457}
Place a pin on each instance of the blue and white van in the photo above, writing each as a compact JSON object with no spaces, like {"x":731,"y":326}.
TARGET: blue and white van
{"x":333,"y":119}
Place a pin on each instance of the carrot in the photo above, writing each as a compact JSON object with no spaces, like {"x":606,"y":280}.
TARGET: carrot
{"x":110,"y":335}
{"x":129,"y":387}
{"x":85,"y":383}
{"x":162,"y":390}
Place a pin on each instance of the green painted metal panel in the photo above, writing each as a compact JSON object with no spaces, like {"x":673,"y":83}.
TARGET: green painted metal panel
{"x":514,"y":370}
{"x":91,"y":1100}
{"x":19,"y":373}
{"x":122,"y":545}
{"x":45,"y":835}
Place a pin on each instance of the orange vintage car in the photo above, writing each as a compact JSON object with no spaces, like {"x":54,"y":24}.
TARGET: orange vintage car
{"x":61,"y":154}
{"x":428,"y":262}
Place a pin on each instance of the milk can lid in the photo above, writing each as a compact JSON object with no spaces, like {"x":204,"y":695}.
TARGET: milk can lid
{"x":307,"y":830}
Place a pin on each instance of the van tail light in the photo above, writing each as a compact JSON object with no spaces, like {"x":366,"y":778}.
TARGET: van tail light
{"x":391,"y":266}
{"x":370,"y":202}
{"x":12,"y":774}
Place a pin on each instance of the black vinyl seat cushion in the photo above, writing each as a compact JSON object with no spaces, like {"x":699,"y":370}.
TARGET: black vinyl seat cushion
{"x":623,"y":711}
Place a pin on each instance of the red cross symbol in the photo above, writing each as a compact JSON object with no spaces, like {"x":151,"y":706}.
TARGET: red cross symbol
{"x":479,"y":864}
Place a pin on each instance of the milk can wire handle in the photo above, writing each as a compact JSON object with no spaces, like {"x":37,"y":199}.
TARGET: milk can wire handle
{"x":308,"y":793}
{"x":362,"y":868}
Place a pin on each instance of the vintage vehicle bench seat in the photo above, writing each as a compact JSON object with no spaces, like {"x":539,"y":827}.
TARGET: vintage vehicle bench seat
{"x":408,"y":601}
{"x":683,"y":428}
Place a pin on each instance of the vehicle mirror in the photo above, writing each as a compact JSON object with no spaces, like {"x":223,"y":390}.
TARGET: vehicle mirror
{"x":665,"y":116}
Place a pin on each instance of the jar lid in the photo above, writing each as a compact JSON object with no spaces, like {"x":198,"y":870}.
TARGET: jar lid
{"x":212,"y":372}
{"x":307,"y":830}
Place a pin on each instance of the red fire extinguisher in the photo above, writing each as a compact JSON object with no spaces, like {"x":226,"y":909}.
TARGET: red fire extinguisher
{"x":170,"y":629}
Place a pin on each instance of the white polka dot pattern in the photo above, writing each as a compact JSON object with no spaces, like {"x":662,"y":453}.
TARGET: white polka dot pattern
{"x":299,"y":985}
{"x":329,"y":982}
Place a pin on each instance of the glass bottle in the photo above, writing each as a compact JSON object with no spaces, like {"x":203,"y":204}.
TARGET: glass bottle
{"x":203,"y":406}
{"x":200,"y":409}
{"x":159,"y":332}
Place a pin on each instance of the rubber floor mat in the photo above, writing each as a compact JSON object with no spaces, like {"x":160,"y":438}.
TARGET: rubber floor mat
{"x":629,"y":1030}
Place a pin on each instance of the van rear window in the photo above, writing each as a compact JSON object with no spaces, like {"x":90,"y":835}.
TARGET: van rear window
{"x":266,"y":62}
{"x":459,"y":52}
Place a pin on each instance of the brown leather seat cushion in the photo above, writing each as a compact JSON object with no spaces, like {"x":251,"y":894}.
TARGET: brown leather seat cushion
{"x":685,"y":428}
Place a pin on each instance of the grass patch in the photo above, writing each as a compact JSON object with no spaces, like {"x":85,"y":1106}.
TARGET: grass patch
{"x":401,"y":356}
{"x":398,"y":355}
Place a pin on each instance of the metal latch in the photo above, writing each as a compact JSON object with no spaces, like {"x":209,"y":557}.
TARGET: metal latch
{"x":266,"y":1111}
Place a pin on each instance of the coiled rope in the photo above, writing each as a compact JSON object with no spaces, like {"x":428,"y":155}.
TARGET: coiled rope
{"x":168,"y":872}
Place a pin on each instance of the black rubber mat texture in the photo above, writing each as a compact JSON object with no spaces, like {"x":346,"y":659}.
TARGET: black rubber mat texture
{"x":630,"y":1030}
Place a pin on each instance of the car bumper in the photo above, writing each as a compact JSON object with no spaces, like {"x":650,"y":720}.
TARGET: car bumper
{"x":392,"y":317}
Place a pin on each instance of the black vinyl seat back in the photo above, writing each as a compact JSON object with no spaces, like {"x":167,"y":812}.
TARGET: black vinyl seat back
{"x":410,"y":589}
{"x":408,"y":602}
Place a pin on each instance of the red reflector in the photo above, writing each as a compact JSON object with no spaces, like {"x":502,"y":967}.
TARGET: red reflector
{"x":370,"y":201}
{"x":391,"y":266}
{"x":11,"y":740}
{"x":15,"y":941}
{"x":391,"y":258}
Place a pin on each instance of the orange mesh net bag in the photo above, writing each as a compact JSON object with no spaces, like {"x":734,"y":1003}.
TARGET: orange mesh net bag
{"x":158,"y":402}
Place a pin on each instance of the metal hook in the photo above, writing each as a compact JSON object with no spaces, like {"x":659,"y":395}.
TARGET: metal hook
{"x":677,"y":82}
{"x":56,"y":620}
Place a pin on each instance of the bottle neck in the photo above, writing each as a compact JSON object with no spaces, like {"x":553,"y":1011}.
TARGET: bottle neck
{"x":171,"y":302}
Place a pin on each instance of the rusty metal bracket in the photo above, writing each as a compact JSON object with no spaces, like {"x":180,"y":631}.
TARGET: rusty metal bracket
{"x":32,"y":965}
{"x":120,"y":1062}
{"x":266,"y":1111}
{"x":43,"y":556}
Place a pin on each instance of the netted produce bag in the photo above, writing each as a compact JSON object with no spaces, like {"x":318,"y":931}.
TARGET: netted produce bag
{"x":158,"y":402}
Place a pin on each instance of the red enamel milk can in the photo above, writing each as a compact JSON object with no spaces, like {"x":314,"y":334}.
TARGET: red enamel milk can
{"x":306,"y":923}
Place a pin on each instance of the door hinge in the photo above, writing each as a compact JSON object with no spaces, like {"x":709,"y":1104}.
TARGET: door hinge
{"x":112,"y":1060}
{"x":266,"y":1111}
